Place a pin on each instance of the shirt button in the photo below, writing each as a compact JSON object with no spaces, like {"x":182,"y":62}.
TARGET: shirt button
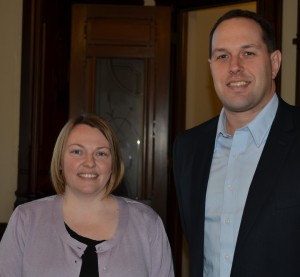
{"x":226,"y":257}
{"x":105,"y":268}
{"x":227,"y":221}
{"x":235,"y":156}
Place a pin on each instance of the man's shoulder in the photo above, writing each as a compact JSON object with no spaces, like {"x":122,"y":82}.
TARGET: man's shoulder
{"x":209,"y":126}
{"x":287,"y":112}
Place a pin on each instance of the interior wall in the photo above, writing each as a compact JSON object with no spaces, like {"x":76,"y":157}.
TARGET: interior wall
{"x":289,"y":51}
{"x":10,"y":69}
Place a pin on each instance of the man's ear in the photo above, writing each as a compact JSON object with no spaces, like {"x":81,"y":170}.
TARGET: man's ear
{"x":276,"y":62}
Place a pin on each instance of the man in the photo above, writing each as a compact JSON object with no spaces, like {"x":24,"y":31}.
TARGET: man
{"x":238,"y":175}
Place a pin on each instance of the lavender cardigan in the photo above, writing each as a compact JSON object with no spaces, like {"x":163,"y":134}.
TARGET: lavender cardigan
{"x":36,"y":243}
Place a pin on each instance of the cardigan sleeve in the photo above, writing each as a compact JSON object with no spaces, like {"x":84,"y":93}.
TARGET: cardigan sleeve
{"x":161,"y":256}
{"x":12,"y":245}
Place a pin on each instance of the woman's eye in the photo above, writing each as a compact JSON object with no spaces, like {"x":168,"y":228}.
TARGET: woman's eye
{"x":76,"y":152}
{"x":102,"y":154}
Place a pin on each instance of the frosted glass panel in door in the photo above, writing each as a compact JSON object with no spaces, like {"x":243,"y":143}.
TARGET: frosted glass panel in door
{"x":120,"y":99}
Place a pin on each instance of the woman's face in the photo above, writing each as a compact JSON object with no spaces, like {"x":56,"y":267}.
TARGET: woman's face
{"x":87,"y":161}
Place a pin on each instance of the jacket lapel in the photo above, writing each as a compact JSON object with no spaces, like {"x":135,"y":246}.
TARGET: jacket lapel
{"x":272,"y":159}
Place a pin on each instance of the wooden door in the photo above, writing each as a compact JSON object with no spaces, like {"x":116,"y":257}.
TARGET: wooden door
{"x":120,"y":69}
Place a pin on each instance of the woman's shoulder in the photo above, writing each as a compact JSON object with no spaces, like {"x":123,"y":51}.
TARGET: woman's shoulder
{"x":138,"y":208}
{"x":38,"y":206}
{"x":34,"y":213}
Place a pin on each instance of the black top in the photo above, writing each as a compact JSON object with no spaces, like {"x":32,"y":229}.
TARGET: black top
{"x":89,"y":258}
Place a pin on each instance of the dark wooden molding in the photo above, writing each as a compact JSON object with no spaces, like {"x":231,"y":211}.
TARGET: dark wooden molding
{"x":297,"y":42}
{"x":2,"y":229}
{"x":44,"y":93}
{"x":29,"y":88}
{"x":188,"y":5}
{"x":272,"y":11}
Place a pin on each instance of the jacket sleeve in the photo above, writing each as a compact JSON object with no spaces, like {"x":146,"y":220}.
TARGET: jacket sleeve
{"x":178,"y":151}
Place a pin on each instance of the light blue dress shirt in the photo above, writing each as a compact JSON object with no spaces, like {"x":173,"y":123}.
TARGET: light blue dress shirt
{"x":234,"y":162}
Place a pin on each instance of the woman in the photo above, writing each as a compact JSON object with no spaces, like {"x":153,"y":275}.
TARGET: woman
{"x":84,"y":230}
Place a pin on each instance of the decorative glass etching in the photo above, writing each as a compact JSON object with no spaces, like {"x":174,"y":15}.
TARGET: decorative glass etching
{"x":120,"y":99}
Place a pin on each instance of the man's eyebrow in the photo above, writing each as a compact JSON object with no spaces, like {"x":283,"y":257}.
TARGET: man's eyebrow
{"x":219,"y":50}
{"x":247,"y":46}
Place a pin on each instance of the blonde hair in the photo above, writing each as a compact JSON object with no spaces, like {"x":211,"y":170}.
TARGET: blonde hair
{"x":95,"y":121}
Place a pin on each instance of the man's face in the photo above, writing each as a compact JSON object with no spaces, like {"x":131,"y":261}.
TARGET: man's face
{"x":243,"y":70}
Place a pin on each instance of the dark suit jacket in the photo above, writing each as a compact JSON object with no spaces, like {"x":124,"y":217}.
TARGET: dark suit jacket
{"x":268,"y":242}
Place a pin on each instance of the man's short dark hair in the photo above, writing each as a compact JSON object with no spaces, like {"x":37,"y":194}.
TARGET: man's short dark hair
{"x":267,"y":30}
